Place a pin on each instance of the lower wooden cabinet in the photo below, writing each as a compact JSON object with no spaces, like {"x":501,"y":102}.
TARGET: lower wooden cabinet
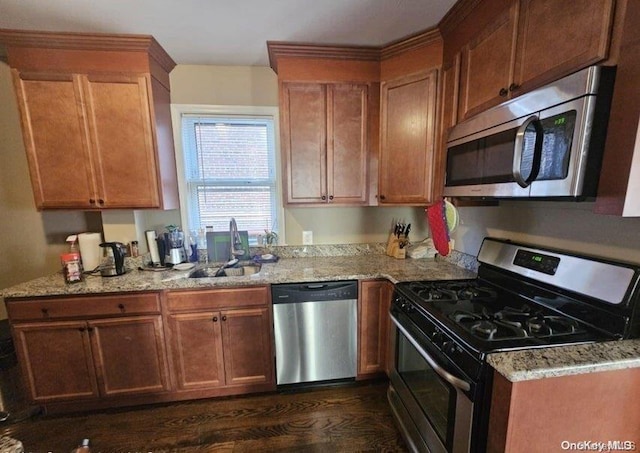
{"x":550,"y":414}
{"x":222,"y":339}
{"x":93,"y":358}
{"x":373,"y":327}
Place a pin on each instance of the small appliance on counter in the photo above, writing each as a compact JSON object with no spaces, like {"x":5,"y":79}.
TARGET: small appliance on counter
{"x":113,"y":263}
{"x":174,"y":243}
{"x":90,"y":250}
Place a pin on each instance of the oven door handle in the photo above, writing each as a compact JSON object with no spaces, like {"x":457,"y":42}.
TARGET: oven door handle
{"x":444,"y":374}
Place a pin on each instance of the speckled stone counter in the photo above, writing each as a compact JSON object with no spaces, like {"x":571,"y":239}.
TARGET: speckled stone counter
{"x":566,"y":360}
{"x":286,"y":270}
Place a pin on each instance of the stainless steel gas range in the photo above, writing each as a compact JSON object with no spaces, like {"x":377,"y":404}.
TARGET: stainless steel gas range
{"x":524,"y":297}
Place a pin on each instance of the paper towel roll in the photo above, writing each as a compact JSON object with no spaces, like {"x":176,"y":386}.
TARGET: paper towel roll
{"x":153,"y":246}
{"x":90,"y":250}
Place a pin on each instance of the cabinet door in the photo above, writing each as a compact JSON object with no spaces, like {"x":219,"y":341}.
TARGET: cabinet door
{"x":56,"y":140}
{"x":56,"y":361}
{"x":448,"y":118}
{"x":130,"y":355}
{"x":248,"y":353}
{"x":407,"y":139}
{"x":196,"y":345}
{"x":304,"y":129}
{"x":347,"y":143}
{"x":556,"y":38}
{"x":487,"y":65}
{"x":373,"y":326}
{"x":119,"y":112}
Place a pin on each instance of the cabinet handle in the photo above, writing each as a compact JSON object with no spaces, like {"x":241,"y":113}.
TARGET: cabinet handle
{"x":382,"y":197}
{"x":215,"y":319}
{"x":92,"y":201}
{"x":100,"y":201}
{"x":90,"y":329}
{"x":82,"y":329}
{"x":224,"y":318}
{"x":503,"y":92}
{"x":324,"y":197}
{"x":121,"y":307}
{"x":45,"y":312}
{"x":514,"y":87}
{"x":330,"y":197}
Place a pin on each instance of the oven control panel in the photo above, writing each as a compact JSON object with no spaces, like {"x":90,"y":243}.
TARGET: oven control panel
{"x":537,"y":261}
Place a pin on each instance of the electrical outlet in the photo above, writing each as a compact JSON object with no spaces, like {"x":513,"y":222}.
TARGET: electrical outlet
{"x":307,"y":237}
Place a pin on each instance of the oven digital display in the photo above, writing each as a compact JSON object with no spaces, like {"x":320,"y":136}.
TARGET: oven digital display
{"x":537,"y":261}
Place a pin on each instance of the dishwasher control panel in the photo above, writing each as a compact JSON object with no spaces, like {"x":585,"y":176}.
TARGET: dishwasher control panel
{"x":313,"y":292}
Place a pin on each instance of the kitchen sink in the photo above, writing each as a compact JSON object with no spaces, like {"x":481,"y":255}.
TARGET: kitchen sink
{"x":243,"y":268}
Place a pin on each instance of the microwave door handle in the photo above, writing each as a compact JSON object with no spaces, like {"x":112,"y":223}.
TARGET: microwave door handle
{"x":444,"y":374}
{"x":518,"y":149}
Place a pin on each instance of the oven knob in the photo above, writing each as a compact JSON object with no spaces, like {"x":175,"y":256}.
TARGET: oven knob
{"x":449,"y":347}
{"x":436,"y":336}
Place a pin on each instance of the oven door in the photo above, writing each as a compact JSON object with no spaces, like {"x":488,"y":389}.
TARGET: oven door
{"x":432,"y":406}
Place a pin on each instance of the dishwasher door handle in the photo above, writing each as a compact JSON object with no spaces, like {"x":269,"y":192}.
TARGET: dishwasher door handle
{"x":315,"y":286}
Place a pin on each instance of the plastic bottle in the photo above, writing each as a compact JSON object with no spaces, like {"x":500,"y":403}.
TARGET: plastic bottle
{"x":71,"y":262}
{"x":193,"y":247}
{"x":83,"y":447}
{"x":203,"y":253}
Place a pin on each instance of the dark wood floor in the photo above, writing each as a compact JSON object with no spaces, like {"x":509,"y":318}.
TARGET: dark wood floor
{"x":345,"y":418}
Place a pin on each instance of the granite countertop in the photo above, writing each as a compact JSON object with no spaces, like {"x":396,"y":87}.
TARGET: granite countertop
{"x":286,"y":270}
{"x":367,"y":263}
{"x":567,"y":360}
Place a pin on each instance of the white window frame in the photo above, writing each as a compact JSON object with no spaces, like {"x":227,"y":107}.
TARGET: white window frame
{"x":229,"y":111}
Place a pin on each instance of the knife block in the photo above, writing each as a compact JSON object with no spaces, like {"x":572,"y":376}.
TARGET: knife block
{"x":397,"y":246}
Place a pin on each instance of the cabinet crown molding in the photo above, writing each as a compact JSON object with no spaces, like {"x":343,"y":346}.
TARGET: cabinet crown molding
{"x":411,"y":42}
{"x":458,"y":12}
{"x":279,"y":49}
{"x":86,"y":41}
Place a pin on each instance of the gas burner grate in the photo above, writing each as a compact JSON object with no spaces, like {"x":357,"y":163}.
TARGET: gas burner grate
{"x":451,"y":291}
{"x":511,"y":322}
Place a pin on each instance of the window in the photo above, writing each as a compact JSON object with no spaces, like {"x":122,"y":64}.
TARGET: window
{"x":229,"y":171}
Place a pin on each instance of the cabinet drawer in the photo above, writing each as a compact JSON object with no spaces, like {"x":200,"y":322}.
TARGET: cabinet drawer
{"x":216,"y":299}
{"x":83,"y":306}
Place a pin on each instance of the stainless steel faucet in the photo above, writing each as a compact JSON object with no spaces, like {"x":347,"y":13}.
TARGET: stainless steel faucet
{"x":235,"y":240}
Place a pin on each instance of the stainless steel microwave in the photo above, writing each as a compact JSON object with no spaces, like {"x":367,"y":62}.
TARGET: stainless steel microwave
{"x":547,"y":143}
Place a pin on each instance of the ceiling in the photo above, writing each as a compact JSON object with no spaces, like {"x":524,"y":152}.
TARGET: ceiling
{"x":231,"y":32}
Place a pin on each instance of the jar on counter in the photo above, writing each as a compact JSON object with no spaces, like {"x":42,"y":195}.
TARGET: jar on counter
{"x":134,"y":250}
{"x":71,"y":267}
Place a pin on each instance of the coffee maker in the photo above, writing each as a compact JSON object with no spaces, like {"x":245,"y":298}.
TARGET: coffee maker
{"x":175,"y":252}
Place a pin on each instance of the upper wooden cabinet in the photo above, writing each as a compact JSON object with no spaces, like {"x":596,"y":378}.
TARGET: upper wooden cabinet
{"x":324,"y":142}
{"x":487,"y":65}
{"x":95,"y":119}
{"x":530,"y":43}
{"x":407,"y":138}
{"x":337,"y":150}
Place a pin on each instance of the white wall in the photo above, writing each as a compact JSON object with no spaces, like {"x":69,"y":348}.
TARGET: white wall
{"x":564,"y":225}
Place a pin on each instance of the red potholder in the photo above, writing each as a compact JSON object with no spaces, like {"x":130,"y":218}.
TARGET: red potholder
{"x":438,"y":226}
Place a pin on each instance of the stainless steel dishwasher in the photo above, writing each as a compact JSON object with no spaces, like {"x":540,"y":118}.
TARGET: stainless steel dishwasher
{"x":315,"y":331}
